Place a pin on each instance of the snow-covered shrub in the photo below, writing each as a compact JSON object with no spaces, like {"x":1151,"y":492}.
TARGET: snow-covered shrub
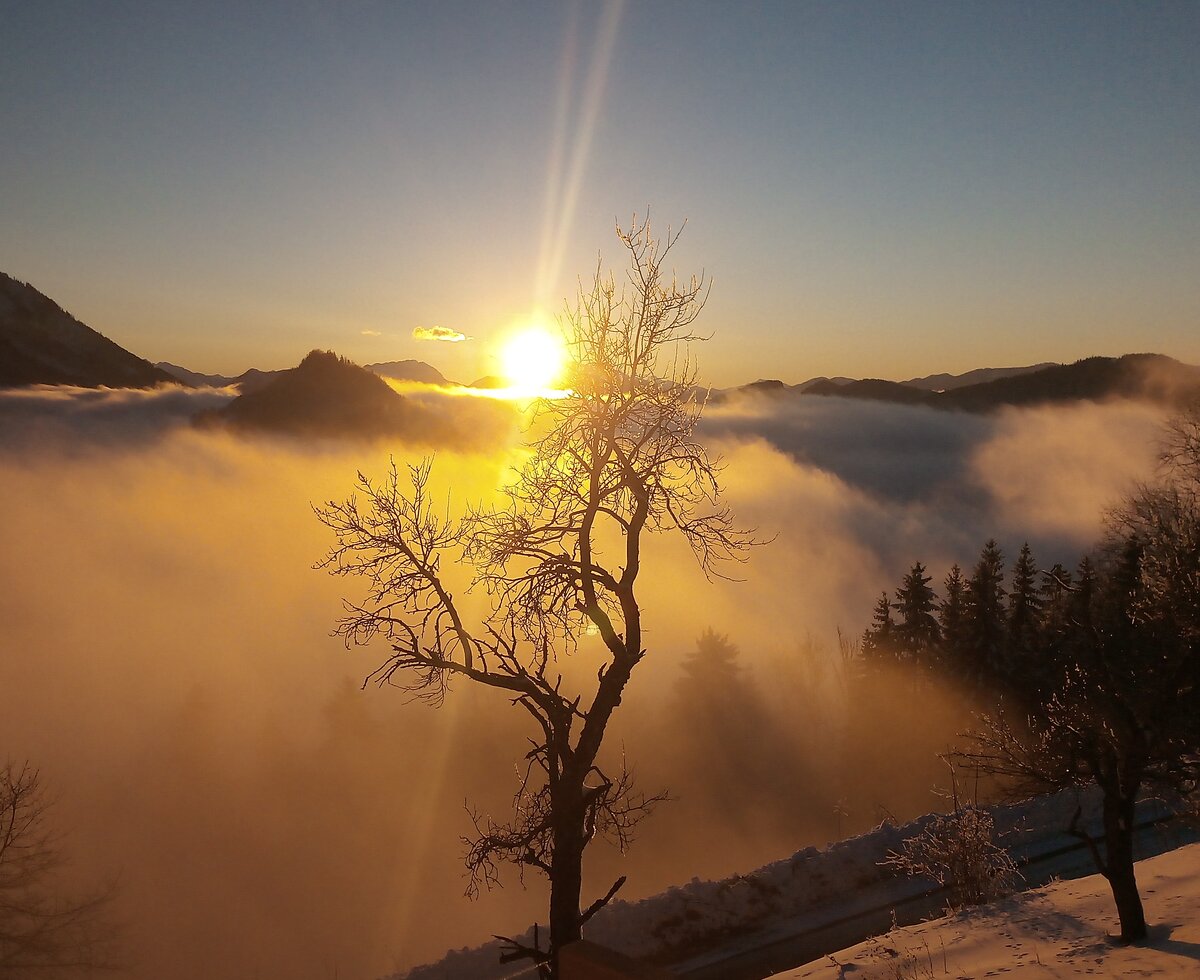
{"x":958,"y":851}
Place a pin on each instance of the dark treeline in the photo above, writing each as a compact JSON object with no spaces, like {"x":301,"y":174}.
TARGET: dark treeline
{"x":988,"y":632}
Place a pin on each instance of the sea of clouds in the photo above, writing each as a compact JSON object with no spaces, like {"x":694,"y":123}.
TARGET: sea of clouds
{"x":168,"y":664}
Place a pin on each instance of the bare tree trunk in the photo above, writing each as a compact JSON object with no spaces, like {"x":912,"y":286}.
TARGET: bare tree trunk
{"x":566,"y":883}
{"x":1118,"y":846}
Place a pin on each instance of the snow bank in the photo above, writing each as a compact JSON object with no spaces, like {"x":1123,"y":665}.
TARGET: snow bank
{"x":810,"y":888}
{"x":1061,"y":930}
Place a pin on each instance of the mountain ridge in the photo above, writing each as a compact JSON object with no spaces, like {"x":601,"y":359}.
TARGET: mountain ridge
{"x":41,"y":343}
{"x":1155,"y":377}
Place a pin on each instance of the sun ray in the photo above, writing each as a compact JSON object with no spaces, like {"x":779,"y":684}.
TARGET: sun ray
{"x":566,"y":171}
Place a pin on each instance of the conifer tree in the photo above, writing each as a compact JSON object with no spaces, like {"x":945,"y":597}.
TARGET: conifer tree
{"x":878,"y":640}
{"x":1054,"y":595}
{"x":1079,"y":603}
{"x":917,"y":633}
{"x":711,"y":671}
{"x":986,"y":618}
{"x":1056,"y":633}
{"x":952,"y":618}
{"x":1021,"y":662}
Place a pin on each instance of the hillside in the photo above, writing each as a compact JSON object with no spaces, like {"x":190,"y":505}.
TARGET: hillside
{"x":874,"y":389}
{"x":1149,"y":376}
{"x":948,"y":382}
{"x":40,"y":343}
{"x":325,"y":396}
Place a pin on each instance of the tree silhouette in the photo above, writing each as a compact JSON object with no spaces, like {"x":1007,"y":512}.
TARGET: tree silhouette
{"x":711,"y":672}
{"x":952,"y":619}
{"x":917,"y":635}
{"x":986,"y":619}
{"x":616,"y":460}
{"x":43,"y":930}
{"x":1021,"y":664}
{"x":878,"y":640}
{"x":733,"y":745}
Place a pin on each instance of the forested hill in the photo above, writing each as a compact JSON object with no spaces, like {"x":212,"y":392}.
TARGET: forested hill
{"x":40,"y":343}
{"x":1154,"y":377}
{"x":325,"y":396}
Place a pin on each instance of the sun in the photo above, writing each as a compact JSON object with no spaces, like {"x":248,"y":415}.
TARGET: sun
{"x":533,"y":358}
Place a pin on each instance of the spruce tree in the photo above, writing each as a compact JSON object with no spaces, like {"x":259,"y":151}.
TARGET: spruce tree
{"x":1054,"y":595}
{"x":952,"y":619}
{"x":878,"y":640}
{"x":1057,"y":632}
{"x":917,"y":633}
{"x":1079,"y":602}
{"x":986,"y":618}
{"x":1022,"y":663}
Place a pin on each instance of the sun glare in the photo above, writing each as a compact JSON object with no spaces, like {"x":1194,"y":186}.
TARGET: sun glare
{"x":533,"y":359}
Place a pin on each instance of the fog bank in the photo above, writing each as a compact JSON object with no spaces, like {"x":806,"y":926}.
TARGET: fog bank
{"x":167,"y":662}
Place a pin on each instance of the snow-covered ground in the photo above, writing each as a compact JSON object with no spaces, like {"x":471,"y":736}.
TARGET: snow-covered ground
{"x":1061,"y":930}
{"x":704,"y":927}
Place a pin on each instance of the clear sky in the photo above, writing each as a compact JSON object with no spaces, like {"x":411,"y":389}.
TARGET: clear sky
{"x":877,"y":189}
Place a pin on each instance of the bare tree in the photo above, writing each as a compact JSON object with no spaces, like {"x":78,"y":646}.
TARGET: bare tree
{"x":616,"y":459}
{"x":1124,"y":712}
{"x":43,"y":929}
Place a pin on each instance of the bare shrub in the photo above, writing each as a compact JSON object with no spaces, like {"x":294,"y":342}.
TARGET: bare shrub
{"x":959,"y":851}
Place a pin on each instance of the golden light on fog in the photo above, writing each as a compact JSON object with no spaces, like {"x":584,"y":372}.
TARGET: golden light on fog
{"x":533,"y":358}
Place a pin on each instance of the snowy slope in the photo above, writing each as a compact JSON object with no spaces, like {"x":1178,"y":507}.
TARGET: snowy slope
{"x":698,"y":926}
{"x":1061,"y":930}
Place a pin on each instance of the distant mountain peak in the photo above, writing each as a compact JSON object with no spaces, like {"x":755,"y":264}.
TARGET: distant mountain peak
{"x":409,"y":370}
{"x":326,"y":395}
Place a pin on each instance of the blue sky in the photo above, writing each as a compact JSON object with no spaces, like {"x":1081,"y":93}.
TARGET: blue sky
{"x":877,"y":189}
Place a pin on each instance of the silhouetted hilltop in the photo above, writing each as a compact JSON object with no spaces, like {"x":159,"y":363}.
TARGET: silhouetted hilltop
{"x":1150,"y":376}
{"x":40,"y":343}
{"x":245,"y":382}
{"x":326,"y":395}
{"x":772,"y":388}
{"x":193,"y":378}
{"x":409,"y":370}
{"x":948,"y":382}
{"x":805,"y":385}
{"x":875,"y":389}
{"x":767,"y":386}
{"x":489,"y":381}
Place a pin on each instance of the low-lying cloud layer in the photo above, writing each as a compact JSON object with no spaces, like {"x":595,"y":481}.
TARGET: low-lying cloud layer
{"x":167,"y":662}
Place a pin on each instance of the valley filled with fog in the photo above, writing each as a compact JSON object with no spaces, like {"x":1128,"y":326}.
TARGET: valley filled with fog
{"x":214,"y":754}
